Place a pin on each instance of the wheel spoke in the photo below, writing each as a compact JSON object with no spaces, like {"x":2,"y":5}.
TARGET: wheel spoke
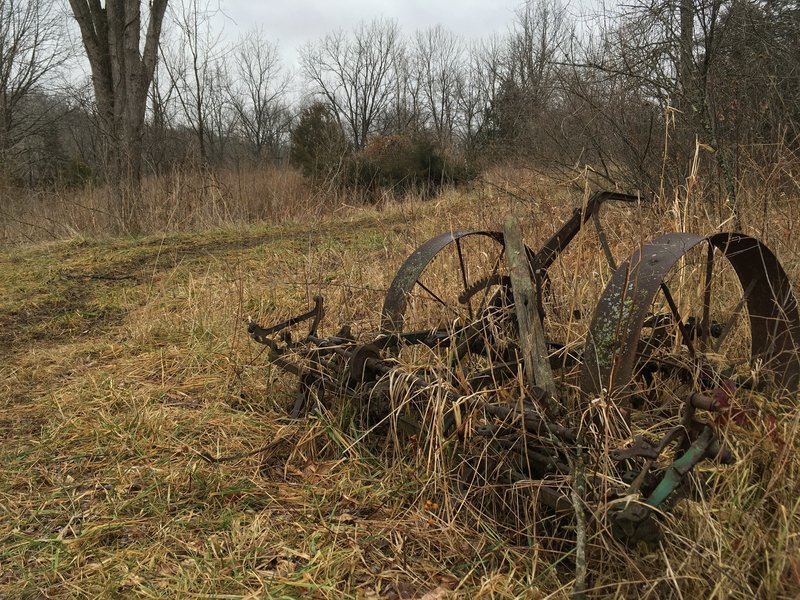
{"x":601,"y":235}
{"x":726,"y":329}
{"x":705,"y":323}
{"x":436,"y":297}
{"x":678,"y":319}
{"x":464,"y":278}
{"x":495,"y":270}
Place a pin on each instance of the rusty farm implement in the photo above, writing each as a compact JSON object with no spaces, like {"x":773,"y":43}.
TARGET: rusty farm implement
{"x":685,"y":330}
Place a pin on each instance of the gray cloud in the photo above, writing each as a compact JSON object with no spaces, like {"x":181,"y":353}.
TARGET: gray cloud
{"x":293,"y":23}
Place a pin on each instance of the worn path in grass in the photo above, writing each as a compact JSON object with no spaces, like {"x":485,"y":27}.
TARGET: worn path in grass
{"x":123,"y":361}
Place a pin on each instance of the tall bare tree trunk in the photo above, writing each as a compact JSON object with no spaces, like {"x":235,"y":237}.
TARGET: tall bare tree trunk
{"x":686,"y":57}
{"x":121,"y":76}
{"x":695,"y":97}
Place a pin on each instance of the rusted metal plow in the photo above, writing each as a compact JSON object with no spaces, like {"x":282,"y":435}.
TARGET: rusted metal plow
{"x":686,"y":330}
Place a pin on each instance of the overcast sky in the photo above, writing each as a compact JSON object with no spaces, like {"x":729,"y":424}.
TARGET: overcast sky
{"x":291,"y":23}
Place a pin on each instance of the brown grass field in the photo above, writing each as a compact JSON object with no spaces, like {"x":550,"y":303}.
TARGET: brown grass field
{"x":124,"y":363}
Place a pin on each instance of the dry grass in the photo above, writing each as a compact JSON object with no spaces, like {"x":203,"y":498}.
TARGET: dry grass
{"x":180,"y":201}
{"x":125,"y":360}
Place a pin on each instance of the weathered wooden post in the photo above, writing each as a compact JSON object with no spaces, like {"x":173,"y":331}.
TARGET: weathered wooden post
{"x":531,"y":335}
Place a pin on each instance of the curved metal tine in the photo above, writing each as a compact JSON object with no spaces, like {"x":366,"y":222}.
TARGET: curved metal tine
{"x":705,"y":323}
{"x":464,"y":278}
{"x":315,"y":313}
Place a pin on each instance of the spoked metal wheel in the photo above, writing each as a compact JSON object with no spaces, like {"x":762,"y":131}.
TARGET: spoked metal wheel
{"x":683,"y":331}
{"x":451,"y":303}
{"x":451,"y":310}
{"x":688,"y":314}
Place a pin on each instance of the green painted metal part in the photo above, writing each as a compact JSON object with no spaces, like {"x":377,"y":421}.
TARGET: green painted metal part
{"x":680,"y":468}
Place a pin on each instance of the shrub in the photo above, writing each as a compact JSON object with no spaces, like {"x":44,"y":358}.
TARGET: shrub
{"x":318,"y":146}
{"x":402,"y":163}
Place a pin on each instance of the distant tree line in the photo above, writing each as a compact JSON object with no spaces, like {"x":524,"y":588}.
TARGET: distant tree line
{"x":643,"y":96}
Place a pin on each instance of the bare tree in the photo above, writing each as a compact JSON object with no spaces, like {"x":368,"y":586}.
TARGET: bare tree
{"x":533,"y":49}
{"x":477,"y":90}
{"x":161,"y":150}
{"x":355,"y":75}
{"x":753,"y":87}
{"x":439,"y":64}
{"x":194,"y":63}
{"x":404,"y":112}
{"x":222,"y":118}
{"x":258,"y":94}
{"x":29,"y":53}
{"x":122,"y":71}
{"x":528,"y":77}
{"x":666,"y":52}
{"x":610,"y":124}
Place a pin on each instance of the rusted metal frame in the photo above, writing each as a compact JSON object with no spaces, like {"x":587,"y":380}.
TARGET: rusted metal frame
{"x":348,"y":350}
{"x":531,"y":422}
{"x":777,"y":321}
{"x":566,"y":233}
{"x":611,"y":348}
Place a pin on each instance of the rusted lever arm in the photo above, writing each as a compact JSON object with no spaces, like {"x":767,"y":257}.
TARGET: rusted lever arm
{"x":260,"y":334}
{"x":561,"y":238}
